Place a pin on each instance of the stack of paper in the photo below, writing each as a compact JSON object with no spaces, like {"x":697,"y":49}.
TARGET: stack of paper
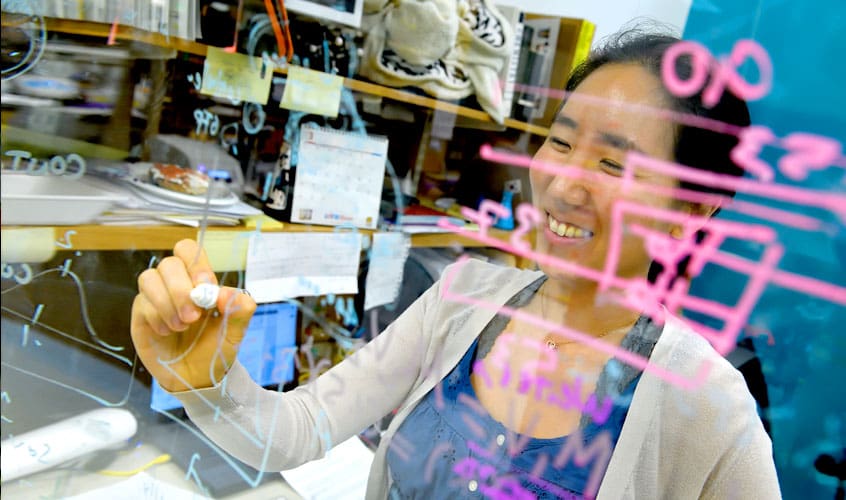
{"x":141,"y":486}
{"x":147,"y":207}
{"x":341,"y":474}
{"x":140,"y":210}
{"x":417,"y":219}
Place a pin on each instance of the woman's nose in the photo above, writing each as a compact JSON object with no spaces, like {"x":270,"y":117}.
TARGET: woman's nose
{"x":570,"y":188}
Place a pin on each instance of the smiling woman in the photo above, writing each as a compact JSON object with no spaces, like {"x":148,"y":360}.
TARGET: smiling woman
{"x":596,"y":135}
{"x":471,"y":367}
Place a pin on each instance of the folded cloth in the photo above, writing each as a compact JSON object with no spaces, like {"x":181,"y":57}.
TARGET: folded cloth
{"x":448,"y":48}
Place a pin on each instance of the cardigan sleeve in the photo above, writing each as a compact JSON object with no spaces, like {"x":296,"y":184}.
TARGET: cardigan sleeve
{"x":705,"y":443}
{"x":746,"y":468}
{"x":274,"y":431}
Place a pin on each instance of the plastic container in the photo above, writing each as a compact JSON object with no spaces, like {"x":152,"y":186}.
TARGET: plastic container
{"x":53,"y":200}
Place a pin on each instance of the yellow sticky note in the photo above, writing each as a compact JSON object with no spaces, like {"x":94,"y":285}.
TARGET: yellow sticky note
{"x":312,"y":92}
{"x":263,"y":222}
{"x":236,"y":76}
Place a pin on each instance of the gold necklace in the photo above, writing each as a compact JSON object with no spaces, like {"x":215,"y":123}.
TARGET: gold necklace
{"x":552,"y":345}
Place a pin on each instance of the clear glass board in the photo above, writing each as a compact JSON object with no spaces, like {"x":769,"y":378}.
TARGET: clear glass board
{"x":636,"y":228}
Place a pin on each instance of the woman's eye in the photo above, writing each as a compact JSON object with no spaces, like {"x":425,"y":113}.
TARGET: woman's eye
{"x":559,"y":144}
{"x":612,"y":167}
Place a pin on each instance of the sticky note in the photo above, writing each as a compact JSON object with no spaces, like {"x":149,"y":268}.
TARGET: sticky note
{"x":285,"y":265}
{"x":312,"y":92}
{"x":236,"y":76}
{"x":226,"y":250}
{"x":387,"y":262}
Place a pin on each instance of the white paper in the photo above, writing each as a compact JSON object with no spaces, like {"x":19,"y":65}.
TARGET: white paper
{"x":341,"y":474}
{"x":339,"y":178}
{"x":387,"y":261}
{"x":141,"y":486}
{"x":285,"y":265}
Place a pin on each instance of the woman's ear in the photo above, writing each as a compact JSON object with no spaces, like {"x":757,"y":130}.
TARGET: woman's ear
{"x":702,"y":210}
{"x":699,"y":214}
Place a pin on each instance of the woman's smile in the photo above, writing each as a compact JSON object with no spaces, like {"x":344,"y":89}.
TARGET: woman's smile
{"x":561,"y":231}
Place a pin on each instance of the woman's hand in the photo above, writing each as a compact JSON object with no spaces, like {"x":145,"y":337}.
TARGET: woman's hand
{"x":183,"y":346}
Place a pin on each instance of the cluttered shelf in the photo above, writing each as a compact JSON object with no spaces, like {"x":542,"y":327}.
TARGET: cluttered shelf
{"x":124,"y":32}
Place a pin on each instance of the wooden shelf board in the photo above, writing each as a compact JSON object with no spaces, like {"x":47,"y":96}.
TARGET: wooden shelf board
{"x":94,"y":237}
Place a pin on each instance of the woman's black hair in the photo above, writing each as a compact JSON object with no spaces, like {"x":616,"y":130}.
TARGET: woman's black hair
{"x":694,"y":146}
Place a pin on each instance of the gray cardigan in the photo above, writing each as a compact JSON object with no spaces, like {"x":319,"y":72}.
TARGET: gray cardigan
{"x":675,"y":443}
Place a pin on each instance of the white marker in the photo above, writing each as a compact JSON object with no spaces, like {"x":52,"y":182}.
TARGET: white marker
{"x":205,"y":295}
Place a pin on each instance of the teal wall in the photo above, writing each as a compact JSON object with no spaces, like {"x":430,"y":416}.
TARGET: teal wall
{"x":806,"y":366}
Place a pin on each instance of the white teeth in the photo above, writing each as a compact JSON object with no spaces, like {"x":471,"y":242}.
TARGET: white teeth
{"x":566,"y":230}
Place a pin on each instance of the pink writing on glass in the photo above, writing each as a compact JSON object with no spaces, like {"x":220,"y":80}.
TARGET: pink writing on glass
{"x":643,"y":295}
{"x":623,"y":355}
{"x":568,"y":396}
{"x":835,"y":203}
{"x":640,"y":295}
{"x":574,"y":448}
{"x":745,"y":154}
{"x":717,"y":230}
{"x":723,"y":72}
{"x":805,"y":152}
{"x":499,"y":488}
{"x":806,"y":197}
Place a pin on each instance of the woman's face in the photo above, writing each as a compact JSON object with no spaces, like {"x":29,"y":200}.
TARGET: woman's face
{"x":595,"y":135}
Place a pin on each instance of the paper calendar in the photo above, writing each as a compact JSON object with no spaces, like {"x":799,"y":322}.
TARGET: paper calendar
{"x":339,"y":178}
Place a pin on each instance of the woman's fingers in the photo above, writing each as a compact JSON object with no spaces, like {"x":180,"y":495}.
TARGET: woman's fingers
{"x":142,"y":332}
{"x":196,"y":262}
{"x":237,"y":308}
{"x":162,"y":315}
{"x":178,"y":284}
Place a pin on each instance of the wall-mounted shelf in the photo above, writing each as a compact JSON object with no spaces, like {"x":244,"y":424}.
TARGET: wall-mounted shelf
{"x":129,"y":33}
{"x":227,"y":247}
{"x":101,"y":237}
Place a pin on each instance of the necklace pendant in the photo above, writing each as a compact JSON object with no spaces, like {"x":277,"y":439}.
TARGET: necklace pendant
{"x":552,"y":346}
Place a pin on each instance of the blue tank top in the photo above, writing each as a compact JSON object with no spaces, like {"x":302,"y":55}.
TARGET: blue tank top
{"x":450,"y":447}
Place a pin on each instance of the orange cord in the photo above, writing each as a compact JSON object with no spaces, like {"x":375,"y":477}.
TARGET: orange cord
{"x":283,"y":42}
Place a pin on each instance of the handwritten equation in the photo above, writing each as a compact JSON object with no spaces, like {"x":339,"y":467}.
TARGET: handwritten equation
{"x":57,"y":165}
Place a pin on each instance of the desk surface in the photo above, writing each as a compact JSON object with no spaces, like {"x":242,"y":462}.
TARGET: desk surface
{"x":68,"y":482}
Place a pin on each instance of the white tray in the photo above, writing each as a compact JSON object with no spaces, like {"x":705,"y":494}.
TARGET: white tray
{"x":52,"y":200}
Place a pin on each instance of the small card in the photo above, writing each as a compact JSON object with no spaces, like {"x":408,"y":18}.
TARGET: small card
{"x":236,"y":76}
{"x":312,"y":92}
{"x":387,"y":262}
